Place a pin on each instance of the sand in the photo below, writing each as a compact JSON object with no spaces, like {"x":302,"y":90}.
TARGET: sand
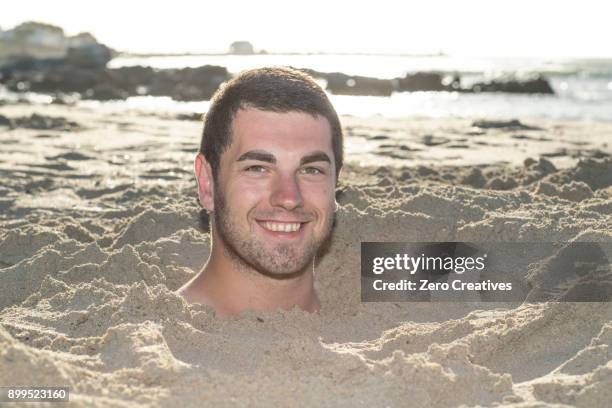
{"x":99,"y":224}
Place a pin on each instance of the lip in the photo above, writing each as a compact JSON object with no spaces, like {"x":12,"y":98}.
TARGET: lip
{"x":281,"y":234}
{"x":277,"y":220}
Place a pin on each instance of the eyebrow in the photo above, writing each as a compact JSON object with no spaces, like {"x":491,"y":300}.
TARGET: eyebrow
{"x":315,"y":157}
{"x":261,"y":155}
{"x":258,"y":155}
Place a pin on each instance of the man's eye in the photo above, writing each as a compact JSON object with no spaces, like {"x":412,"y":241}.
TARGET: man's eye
{"x":312,"y":170}
{"x":256,"y":169}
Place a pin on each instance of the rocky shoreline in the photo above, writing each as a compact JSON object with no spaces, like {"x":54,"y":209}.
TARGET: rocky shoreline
{"x":77,"y":74}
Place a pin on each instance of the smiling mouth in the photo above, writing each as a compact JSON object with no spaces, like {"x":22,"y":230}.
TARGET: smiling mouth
{"x":275,"y":226}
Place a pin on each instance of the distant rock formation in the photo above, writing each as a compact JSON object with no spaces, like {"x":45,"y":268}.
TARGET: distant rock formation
{"x":80,"y":73}
{"x":241,"y":48}
{"x":58,"y":76}
{"x":40,"y":58}
{"x":428,"y":81}
{"x":33,"y":40}
{"x":538,"y":84}
{"x":343,"y":84}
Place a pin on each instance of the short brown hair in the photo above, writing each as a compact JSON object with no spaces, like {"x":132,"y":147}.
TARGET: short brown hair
{"x":276,"y":89}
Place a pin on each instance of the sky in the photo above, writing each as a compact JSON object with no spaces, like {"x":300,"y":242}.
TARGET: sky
{"x":508,"y":28}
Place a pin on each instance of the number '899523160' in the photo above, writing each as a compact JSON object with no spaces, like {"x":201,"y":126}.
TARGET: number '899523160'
{"x":34,"y":394}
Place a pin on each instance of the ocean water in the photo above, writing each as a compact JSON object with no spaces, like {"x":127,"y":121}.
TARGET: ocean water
{"x":583,"y":87}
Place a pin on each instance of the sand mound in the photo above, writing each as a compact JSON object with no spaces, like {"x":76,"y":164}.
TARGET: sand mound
{"x":87,"y":299}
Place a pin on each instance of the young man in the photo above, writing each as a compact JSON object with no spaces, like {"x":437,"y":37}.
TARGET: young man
{"x":269,"y":161}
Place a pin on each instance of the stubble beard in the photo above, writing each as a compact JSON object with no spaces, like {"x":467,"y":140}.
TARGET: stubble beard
{"x":247,"y":252}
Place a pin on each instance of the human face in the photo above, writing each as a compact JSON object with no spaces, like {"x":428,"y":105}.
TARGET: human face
{"x":274,"y":196}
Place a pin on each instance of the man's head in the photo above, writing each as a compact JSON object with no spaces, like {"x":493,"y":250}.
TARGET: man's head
{"x":272,"y":150}
{"x":274,"y":89}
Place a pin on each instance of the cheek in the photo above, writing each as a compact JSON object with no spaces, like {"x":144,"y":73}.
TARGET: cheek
{"x":245,"y":195}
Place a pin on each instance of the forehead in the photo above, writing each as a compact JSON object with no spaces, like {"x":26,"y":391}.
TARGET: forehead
{"x":295,"y":132}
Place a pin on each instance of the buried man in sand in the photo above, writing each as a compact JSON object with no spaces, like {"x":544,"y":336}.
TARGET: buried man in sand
{"x":268,"y":165}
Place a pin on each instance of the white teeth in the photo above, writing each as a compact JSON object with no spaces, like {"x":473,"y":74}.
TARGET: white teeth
{"x":282,"y":226}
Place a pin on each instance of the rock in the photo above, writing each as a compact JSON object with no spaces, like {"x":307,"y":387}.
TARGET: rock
{"x":47,"y":76}
{"x":106,"y":92}
{"x":135,"y":79}
{"x":189,"y":84}
{"x":70,"y":156}
{"x":559,"y":152}
{"x":241,"y":48}
{"x":95,"y":82}
{"x":528,"y":162}
{"x":342,"y":84}
{"x":431,"y":140}
{"x":43,"y":41}
{"x":596,"y":154}
{"x":407,"y":148}
{"x":190,"y":116}
{"x":41,"y":122}
{"x":8,"y":122}
{"x":538,"y":84}
{"x":427,"y":81}
{"x":378,"y":137}
{"x":65,"y":99}
{"x":513,"y":124}
{"x":92,"y":55}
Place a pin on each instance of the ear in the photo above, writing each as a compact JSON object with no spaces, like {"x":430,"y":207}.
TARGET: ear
{"x":203,"y":174}
{"x":336,"y":205}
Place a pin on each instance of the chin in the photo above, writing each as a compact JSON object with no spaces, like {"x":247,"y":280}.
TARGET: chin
{"x":286,"y":272}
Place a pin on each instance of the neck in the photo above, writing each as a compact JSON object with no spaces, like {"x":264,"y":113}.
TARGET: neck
{"x":232,"y":288}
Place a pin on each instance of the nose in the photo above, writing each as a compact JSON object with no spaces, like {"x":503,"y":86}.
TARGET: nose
{"x":286,"y":192}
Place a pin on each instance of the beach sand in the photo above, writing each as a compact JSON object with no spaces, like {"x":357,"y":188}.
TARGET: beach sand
{"x":99,"y":224}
